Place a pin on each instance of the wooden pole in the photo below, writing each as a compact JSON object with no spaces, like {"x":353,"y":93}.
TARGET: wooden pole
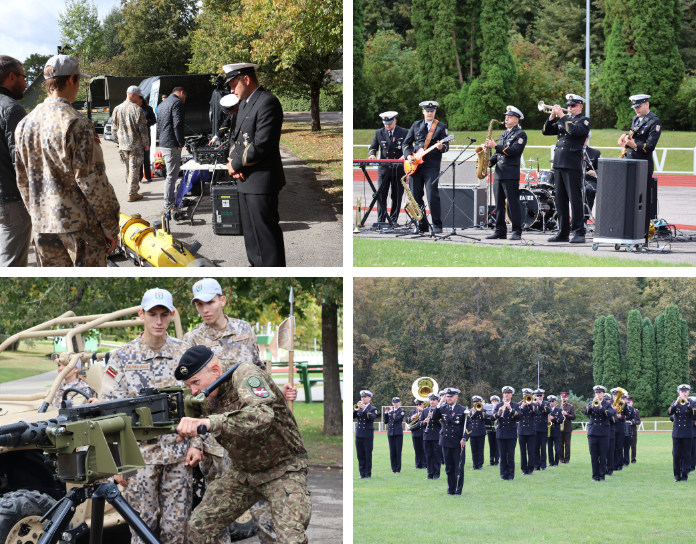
{"x":291,"y":355}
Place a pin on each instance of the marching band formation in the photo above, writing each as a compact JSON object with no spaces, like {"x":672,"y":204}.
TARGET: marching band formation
{"x":539,"y":423}
{"x":569,"y":188}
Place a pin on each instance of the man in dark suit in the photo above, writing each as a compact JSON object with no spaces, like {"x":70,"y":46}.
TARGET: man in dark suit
{"x":388,"y":144}
{"x":506,"y":159}
{"x":628,"y":430}
{"x":572,"y":130}
{"x":619,"y":432}
{"x":431,"y":437}
{"x":612,"y":437}
{"x":453,"y":440}
{"x":256,"y":164}
{"x":555,"y":417}
{"x":527,"y":433}
{"x":590,"y":177}
{"x":684,"y":412}
{"x":365,"y":433}
{"x":506,"y":413}
{"x":634,"y":429}
{"x":423,"y":135}
{"x":568,"y":410}
{"x":394,"y":419}
{"x":647,"y":129}
{"x":693,"y":442}
{"x":476,"y":433}
{"x":490,"y":431}
{"x":229,"y":105}
{"x":417,"y":434}
{"x":598,"y":432}
{"x":542,"y":429}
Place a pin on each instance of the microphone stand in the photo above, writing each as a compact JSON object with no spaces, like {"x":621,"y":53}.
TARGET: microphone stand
{"x":454,"y":182}
{"x":585,"y":162}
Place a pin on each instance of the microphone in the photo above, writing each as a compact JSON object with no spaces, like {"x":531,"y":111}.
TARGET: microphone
{"x":472,"y":140}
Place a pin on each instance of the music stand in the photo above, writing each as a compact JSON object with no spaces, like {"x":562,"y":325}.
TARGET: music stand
{"x":384,"y":188}
{"x":454,"y":182}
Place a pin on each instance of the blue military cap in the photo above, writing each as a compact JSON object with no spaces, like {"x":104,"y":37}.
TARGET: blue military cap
{"x":434,"y":396}
{"x":451,"y":391}
{"x":615,"y":391}
{"x":607,"y":396}
{"x":527,"y":391}
{"x":539,"y":392}
{"x":396,"y":399}
{"x":429,"y":105}
{"x":638,"y":99}
{"x":418,"y":401}
{"x":365,"y":393}
{"x":508,"y":389}
{"x":624,"y":396}
{"x":476,"y":398}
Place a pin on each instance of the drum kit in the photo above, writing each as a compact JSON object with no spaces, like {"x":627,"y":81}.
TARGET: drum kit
{"x":538,"y":202}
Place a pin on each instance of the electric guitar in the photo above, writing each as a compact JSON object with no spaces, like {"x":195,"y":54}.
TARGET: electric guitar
{"x":410,"y":168}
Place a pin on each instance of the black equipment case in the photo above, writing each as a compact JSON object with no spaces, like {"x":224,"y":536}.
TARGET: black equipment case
{"x":225,"y":198}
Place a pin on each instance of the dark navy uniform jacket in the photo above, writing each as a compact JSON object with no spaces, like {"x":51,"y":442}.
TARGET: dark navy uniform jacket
{"x":431,"y":431}
{"x":630,"y":415}
{"x":394,"y":421}
{"x":542,"y":418}
{"x":507,"y":422}
{"x":392,"y":148}
{"x":572,"y":133}
{"x":527,"y":423}
{"x":452,"y":419}
{"x":366,"y":418}
{"x":415,"y":139}
{"x":508,"y":153}
{"x":476,"y":425}
{"x":646,"y":137}
{"x":599,"y":424}
{"x":593,"y":155}
{"x":621,"y":421}
{"x":417,"y":431}
{"x":684,"y":416}
{"x":556,"y":422}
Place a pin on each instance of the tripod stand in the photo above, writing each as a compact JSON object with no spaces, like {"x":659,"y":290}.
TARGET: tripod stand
{"x":586,"y":161}
{"x":454,"y":232}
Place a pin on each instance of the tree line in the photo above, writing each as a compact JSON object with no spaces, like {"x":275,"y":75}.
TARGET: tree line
{"x":474,"y":58}
{"x":480,"y":334}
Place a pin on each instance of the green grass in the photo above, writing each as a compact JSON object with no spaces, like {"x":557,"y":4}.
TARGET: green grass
{"x":26,"y":361}
{"x":682,"y":161}
{"x":402,"y":253}
{"x":640,"y":504}
{"x":322,"y":449}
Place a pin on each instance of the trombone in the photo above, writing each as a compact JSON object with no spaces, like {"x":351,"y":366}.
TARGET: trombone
{"x":546,"y":108}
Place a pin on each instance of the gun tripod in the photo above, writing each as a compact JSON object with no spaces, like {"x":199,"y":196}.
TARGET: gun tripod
{"x":56,"y":528}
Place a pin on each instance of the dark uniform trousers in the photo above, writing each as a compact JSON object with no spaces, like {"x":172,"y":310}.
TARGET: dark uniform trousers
{"x":506,"y":447}
{"x":507,"y":190}
{"x":682,"y":437}
{"x":433,"y":456}
{"x":527,"y":452}
{"x":364,"y":439}
{"x":364,"y":447}
{"x":264,"y":241}
{"x":454,"y":468}
{"x":567,"y":170}
{"x":385,"y":147}
{"x":610,"y":450}
{"x":618,"y":446}
{"x":693,"y":453}
{"x":506,"y":435}
{"x":493,"y":448}
{"x":417,"y":439}
{"x":540,"y":457}
{"x":424,"y":181}
{"x":554,"y":450}
{"x":627,"y":449}
{"x":599,"y":447}
{"x":598,"y":438}
{"x":681,"y":457}
{"x":477,"y":443}
{"x":565,"y":446}
{"x":396,"y":444}
{"x":506,"y":186}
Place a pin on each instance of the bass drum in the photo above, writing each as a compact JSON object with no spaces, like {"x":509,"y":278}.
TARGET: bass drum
{"x":537,"y":206}
{"x":545,"y":180}
{"x":529,"y":208}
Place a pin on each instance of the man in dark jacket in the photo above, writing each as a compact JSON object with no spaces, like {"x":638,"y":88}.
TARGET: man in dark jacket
{"x":217,"y":112}
{"x":431,"y":437}
{"x":256,"y":164}
{"x":394,"y":419}
{"x":634,"y":428}
{"x":542,"y":429}
{"x":15,"y":222}
{"x":598,"y":432}
{"x":554,"y":439}
{"x":365,"y":432}
{"x":417,"y":434}
{"x":568,"y":410}
{"x":476,"y":432}
{"x":170,"y":126}
{"x":507,"y":414}
{"x":151,"y":119}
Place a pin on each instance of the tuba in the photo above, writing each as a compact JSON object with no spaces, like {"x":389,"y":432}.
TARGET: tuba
{"x":422,"y":387}
{"x":618,"y":403}
{"x":484,"y":153}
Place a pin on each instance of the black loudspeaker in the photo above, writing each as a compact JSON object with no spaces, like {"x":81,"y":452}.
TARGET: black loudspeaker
{"x":226,"y":218}
{"x":469,"y":209}
{"x":652,"y":203}
{"x":622,"y":199}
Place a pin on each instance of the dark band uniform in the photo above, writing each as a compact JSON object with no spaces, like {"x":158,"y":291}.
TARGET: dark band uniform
{"x":555,"y":435}
{"x":386,"y":146}
{"x":431,"y":439}
{"x":628,"y":432}
{"x":395,"y":435}
{"x":591,"y":180}
{"x":542,"y":432}
{"x":567,"y":170}
{"x":490,"y":432}
{"x":417,"y":439}
{"x":217,"y":113}
{"x":506,"y":434}
{"x":255,"y":152}
{"x":527,"y":436}
{"x":613,"y":420}
{"x":506,"y":186}
{"x":452,"y":420}
{"x":693,"y":442}
{"x":476,"y":435}
{"x":619,"y":433}
{"x":646,"y":135}
{"x":634,"y":433}
{"x":424,"y":178}
{"x":598,"y":437}
{"x":682,"y":435}
{"x":364,"y":438}
{"x":567,"y":431}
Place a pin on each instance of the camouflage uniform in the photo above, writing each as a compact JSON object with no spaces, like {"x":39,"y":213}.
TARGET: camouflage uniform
{"x":80,"y":384}
{"x":62,"y":179}
{"x":165,"y":483}
{"x":129,"y":125}
{"x":236,"y":343}
{"x":251,"y":418}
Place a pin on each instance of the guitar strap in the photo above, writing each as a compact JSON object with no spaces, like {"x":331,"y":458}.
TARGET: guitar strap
{"x":430,"y":134}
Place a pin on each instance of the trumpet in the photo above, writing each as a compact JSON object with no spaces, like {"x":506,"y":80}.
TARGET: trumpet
{"x":683,"y":401}
{"x":359,"y":406}
{"x":478,"y":406}
{"x":546,"y":108}
{"x":528,"y":399}
{"x":596,"y":402}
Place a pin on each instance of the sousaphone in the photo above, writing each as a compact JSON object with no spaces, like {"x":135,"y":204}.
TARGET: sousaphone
{"x":422,"y":387}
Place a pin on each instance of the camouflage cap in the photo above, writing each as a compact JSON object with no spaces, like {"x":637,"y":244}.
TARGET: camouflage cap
{"x":62,"y":65}
{"x":192,"y":361}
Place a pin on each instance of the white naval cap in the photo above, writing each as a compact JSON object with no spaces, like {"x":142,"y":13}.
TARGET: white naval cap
{"x":512,"y":110}
{"x":239,"y":69}
{"x":684,"y":387}
{"x":638,"y":99}
{"x":388,"y":116}
{"x":229,"y":101}
{"x":508,"y":389}
{"x":574,"y":99}
{"x":599,"y":388}
{"x":429,"y":105}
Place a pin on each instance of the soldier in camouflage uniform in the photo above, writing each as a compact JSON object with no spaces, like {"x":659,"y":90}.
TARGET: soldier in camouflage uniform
{"x":149,"y":361}
{"x":61,"y":176}
{"x":249,"y":416}
{"x":129,"y":125}
{"x":71,"y":380}
{"x":233,"y":340}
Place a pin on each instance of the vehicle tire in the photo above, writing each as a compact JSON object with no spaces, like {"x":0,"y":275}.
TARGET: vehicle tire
{"x":242,"y":528}
{"x":20,"y":512}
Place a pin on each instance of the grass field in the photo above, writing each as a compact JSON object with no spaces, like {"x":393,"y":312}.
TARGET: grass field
{"x":26,"y":361}
{"x":401,"y":253}
{"x":681,"y":161}
{"x":322,"y":449}
{"x":640,"y":504}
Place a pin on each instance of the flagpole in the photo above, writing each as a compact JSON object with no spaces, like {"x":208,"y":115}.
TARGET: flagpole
{"x":291,"y":354}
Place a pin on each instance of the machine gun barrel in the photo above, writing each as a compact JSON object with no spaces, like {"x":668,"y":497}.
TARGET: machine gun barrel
{"x":21,"y":434}
{"x":217,"y":383}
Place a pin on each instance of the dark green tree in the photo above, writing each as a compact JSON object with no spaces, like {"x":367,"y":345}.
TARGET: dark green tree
{"x":493,"y":89}
{"x":598,"y":350}
{"x":81,"y":30}
{"x":675,"y":372}
{"x":687,"y":37}
{"x":612,"y":354}
{"x":644,"y":393}
{"x":360,"y":95}
{"x":634,"y":350}
{"x":660,"y":359}
{"x":34,"y":66}
{"x":111,"y":29}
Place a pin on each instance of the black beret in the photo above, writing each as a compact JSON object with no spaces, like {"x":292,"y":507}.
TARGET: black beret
{"x":192,"y":361}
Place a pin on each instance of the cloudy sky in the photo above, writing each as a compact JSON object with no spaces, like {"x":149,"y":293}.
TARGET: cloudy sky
{"x":30,"y":26}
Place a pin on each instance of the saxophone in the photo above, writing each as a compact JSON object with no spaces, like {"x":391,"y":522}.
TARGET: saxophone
{"x":484,"y":153}
{"x":412,"y":207}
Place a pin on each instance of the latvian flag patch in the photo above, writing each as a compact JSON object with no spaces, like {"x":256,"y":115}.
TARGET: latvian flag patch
{"x":111,"y":371}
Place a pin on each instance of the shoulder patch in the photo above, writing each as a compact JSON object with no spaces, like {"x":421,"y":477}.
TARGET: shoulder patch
{"x":587,"y":122}
{"x":520,"y":141}
{"x":657,"y":128}
{"x":254,"y":381}
{"x":111,"y":371}
{"x":260,"y":392}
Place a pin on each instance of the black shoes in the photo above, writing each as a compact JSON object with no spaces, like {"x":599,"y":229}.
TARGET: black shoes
{"x":437,"y":230}
{"x":578,"y":239}
{"x":633,"y":461}
{"x":497,"y":236}
{"x":436,"y":478}
{"x":515,"y":236}
{"x":558,"y":238}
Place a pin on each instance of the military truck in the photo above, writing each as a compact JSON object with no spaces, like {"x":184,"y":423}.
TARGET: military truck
{"x":28,"y":487}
